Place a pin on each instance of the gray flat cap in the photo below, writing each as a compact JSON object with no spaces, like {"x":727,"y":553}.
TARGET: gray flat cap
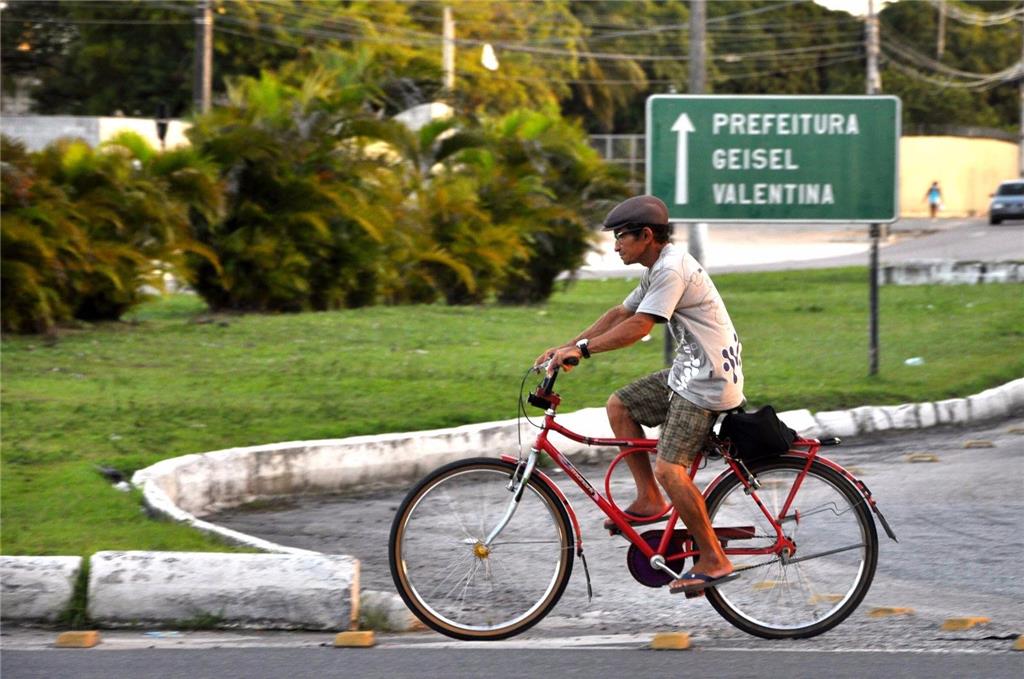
{"x":636,"y":211}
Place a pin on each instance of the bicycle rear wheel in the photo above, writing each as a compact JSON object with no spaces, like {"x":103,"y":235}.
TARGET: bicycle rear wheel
{"x":456,"y":585}
{"x":835,"y":559}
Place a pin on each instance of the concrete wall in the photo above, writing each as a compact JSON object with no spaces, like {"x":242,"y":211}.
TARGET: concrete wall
{"x":38,"y":131}
{"x":967,"y":169}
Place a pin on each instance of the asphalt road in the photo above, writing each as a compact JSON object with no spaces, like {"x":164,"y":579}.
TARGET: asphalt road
{"x":314,"y":662}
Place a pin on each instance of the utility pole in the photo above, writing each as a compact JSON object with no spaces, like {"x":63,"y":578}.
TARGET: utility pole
{"x":871,"y":38}
{"x":874,"y":86}
{"x":696,"y":232}
{"x":448,"y":49}
{"x":203,"y":57}
{"x":940,"y":42}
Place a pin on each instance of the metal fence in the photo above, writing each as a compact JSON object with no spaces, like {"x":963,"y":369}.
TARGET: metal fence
{"x":627,"y":151}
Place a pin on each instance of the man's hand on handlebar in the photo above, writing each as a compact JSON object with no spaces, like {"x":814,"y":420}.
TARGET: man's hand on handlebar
{"x":544,"y":358}
{"x":565,"y":358}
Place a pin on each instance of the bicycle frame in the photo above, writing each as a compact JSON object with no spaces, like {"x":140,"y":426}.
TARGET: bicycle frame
{"x":659,"y":557}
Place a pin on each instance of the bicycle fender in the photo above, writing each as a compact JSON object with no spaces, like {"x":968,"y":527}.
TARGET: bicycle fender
{"x":561,"y":496}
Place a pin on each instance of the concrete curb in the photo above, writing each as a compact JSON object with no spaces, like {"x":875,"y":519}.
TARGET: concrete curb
{"x":254,"y":591}
{"x":188,"y":487}
{"x":37,"y":588}
{"x":947,"y":272}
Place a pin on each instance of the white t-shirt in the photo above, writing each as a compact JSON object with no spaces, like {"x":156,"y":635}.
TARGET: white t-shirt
{"x":707,"y":370}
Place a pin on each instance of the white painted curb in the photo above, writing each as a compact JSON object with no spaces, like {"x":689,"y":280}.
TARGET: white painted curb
{"x":948,"y":272}
{"x":37,"y":588}
{"x":259,"y":591}
{"x":186,"y":488}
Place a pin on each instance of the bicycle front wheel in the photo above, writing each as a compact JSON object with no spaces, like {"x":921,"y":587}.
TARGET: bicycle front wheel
{"x":819,"y":585}
{"x":453,"y":582}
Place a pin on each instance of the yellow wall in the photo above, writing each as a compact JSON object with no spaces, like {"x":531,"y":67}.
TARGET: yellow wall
{"x":967,"y":169}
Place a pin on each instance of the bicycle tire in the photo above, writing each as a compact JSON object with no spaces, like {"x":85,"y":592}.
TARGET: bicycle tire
{"x":803,"y":598}
{"x":504,"y":590}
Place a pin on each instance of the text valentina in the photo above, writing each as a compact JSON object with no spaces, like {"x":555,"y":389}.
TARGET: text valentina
{"x":773,"y":194}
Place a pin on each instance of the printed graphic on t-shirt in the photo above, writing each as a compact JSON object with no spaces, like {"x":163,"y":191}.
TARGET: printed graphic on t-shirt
{"x":731,"y":354}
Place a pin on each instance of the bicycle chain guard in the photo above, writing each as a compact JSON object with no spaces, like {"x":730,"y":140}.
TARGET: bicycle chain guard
{"x":640,"y":567}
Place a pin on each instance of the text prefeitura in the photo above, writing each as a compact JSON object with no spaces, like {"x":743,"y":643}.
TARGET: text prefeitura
{"x":779,"y":159}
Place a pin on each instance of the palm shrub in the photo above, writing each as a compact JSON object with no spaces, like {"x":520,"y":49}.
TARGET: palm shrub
{"x":87,"y":231}
{"x":445,"y":243}
{"x":539,"y":173}
{"x":41,"y":244}
{"x":306,"y":210}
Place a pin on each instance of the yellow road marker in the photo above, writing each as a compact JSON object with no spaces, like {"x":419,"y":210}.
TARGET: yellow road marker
{"x":826,"y":599}
{"x":767,"y":584}
{"x":84,"y":639}
{"x":960,"y":624}
{"x":979,"y":444}
{"x":355,"y":639}
{"x":888,"y":611}
{"x":1019,"y":644}
{"x":670,"y":641}
{"x":922,"y":457}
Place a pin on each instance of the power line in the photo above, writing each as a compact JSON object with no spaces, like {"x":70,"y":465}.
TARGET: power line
{"x":976,"y":17}
{"x":900,"y":52}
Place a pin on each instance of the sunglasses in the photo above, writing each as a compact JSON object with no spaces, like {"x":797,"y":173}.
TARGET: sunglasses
{"x":618,"y":235}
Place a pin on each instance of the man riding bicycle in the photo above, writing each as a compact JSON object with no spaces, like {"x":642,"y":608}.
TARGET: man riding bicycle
{"x":706,"y":377}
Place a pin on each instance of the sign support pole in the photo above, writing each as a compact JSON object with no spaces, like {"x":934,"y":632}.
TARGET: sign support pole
{"x":873,"y":286}
{"x":874,"y":82}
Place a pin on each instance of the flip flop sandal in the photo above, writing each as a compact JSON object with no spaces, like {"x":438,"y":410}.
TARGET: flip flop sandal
{"x":701,"y":582}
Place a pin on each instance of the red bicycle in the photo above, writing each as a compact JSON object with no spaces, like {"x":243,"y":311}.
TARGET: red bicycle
{"x":483,"y":548}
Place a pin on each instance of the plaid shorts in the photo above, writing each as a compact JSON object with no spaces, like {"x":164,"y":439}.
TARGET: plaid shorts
{"x":684,"y":425}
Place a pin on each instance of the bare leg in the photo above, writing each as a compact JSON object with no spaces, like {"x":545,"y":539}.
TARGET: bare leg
{"x":649,"y":499}
{"x":689,"y":502}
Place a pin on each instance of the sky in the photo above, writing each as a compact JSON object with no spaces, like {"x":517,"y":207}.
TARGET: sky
{"x":858,"y":7}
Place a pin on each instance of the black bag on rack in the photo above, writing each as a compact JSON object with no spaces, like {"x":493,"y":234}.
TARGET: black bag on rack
{"x":758,"y":435}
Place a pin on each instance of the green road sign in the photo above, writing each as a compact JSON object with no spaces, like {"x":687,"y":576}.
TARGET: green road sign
{"x":774,"y":159}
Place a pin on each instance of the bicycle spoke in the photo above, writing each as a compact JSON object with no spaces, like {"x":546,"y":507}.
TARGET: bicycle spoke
{"x":456,"y":584}
{"x":458,"y":518}
{"x":826,"y":577}
{"x":448,"y":572}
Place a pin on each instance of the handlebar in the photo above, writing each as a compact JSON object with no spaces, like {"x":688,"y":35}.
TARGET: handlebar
{"x":549,"y":382}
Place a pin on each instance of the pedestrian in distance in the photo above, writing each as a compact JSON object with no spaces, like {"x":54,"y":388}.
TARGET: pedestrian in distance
{"x":934,"y":198}
{"x":705,"y":379}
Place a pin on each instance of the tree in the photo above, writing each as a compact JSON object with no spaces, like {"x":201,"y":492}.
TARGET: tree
{"x":969,"y":48}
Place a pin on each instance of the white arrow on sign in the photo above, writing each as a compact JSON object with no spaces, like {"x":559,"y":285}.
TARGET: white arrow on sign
{"x":682,"y":127}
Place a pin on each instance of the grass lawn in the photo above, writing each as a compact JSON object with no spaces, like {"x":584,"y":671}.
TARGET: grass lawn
{"x":173,"y":381}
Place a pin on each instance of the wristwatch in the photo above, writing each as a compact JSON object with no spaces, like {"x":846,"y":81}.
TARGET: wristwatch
{"x":584,"y":346}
